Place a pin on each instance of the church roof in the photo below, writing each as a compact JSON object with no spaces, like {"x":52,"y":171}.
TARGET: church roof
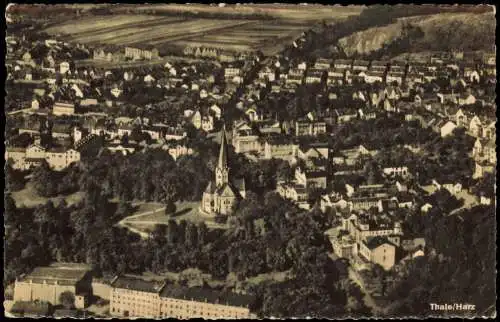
{"x":210,"y":187}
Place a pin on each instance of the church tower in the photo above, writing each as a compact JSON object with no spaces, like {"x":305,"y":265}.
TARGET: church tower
{"x":222,"y":169}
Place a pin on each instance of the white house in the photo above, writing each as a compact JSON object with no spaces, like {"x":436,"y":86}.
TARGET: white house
{"x":64,"y":67}
{"x":447,"y":129}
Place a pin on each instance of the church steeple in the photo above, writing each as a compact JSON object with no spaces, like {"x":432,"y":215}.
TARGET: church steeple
{"x":222,"y":169}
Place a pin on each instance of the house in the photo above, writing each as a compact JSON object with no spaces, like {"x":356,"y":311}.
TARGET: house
{"x":373,"y":76}
{"x":447,"y":129}
{"x":489,"y":131}
{"x":392,"y":77}
{"x":307,"y":127}
{"x":368,"y":238}
{"x":342,"y":64}
{"x":179,"y":150}
{"x":335,"y":76}
{"x":467,"y":99}
{"x":311,"y":178}
{"x":360,"y":65}
{"x":425,"y":208}
{"x":322,"y":63}
{"x":379,"y":250}
{"x":460,"y":118}
{"x":231,"y":72}
{"x":63,"y":67}
{"x":475,"y":126}
{"x":63,"y":108}
{"x":279,"y":147}
{"x":46,"y":284}
{"x":245,"y":139}
{"x":314,"y":76}
{"x":294,"y":79}
{"x":379,"y":66}
{"x":396,"y":172}
{"x":295,"y":193}
{"x":267,"y":74}
{"x":481,"y":168}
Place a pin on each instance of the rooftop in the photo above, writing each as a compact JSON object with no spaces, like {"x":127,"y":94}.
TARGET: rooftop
{"x":206,"y":295}
{"x":137,"y":284}
{"x":71,"y":272}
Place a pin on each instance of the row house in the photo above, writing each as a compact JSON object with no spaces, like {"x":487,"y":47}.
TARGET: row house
{"x":308,"y":127}
{"x":314,"y":76}
{"x":141,"y":53}
{"x":336,"y":76}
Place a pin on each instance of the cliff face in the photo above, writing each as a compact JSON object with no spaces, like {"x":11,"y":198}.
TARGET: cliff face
{"x":441,"y":32}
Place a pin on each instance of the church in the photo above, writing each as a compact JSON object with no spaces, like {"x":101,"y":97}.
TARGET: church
{"x":222,"y":194}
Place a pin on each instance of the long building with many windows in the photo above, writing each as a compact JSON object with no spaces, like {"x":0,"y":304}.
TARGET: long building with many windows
{"x":135,"y":297}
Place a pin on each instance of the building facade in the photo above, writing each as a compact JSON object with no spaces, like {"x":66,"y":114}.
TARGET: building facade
{"x":133,"y":297}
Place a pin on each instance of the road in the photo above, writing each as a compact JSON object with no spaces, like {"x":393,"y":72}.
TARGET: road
{"x":368,"y":299}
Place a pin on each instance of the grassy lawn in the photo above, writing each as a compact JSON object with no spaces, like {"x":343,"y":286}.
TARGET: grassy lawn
{"x":154,"y":214}
{"x":27,"y":197}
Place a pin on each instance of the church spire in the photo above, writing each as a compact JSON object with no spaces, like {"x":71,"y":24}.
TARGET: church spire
{"x":222,"y":170}
{"x":223,"y":150}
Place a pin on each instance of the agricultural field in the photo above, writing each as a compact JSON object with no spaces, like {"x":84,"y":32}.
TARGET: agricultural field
{"x":245,"y":34}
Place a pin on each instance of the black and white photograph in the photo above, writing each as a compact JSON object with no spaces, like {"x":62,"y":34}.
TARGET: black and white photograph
{"x":249,"y":161}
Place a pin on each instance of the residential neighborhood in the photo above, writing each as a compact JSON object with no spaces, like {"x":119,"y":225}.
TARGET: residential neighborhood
{"x":220,"y":184}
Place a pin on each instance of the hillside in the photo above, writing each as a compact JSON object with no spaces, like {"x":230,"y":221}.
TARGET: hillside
{"x":438,"y":32}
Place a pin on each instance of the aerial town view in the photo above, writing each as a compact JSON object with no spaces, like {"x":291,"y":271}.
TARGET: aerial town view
{"x":250,"y":161}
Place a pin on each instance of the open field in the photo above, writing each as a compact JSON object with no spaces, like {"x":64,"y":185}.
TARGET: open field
{"x":233,"y":34}
{"x":277,"y":11}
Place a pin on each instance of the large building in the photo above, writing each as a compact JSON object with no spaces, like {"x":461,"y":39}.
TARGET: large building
{"x":134,"y":297}
{"x":222,"y":194}
{"x":58,"y":158}
{"x":46,"y":284}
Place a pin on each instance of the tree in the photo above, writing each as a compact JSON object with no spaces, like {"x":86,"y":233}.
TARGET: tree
{"x":67,"y":299}
{"x":170,"y":208}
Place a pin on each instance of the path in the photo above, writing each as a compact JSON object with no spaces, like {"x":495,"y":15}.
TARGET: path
{"x":124,"y":223}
